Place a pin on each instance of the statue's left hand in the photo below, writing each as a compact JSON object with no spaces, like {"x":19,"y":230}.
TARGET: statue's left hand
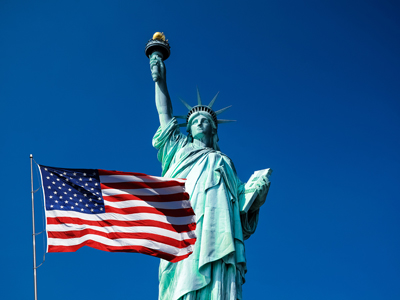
{"x":262,"y":186}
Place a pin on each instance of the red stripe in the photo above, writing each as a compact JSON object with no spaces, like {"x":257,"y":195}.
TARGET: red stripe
{"x":137,"y":249}
{"x":104,"y":223}
{"x":153,"y":198}
{"x":122,"y":235}
{"x":141,"y":185}
{"x":182,"y":212}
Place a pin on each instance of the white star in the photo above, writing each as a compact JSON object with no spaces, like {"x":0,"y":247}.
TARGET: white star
{"x":56,"y":201}
{"x":90,"y":179}
{"x":59,"y":187}
{"x":69,"y":190}
{"x":63,"y":184}
{"x":48,"y":177}
{"x":72,"y":207}
{"x":45,"y":169}
{"x":84,"y":174}
{"x":60,"y":197}
{"x":61,"y":175}
{"x":66,"y":201}
{"x":51,"y":174}
{"x":66,"y":179}
{"x":58,"y":179}
{"x":65,"y":173}
{"x":97,"y":193}
{"x":94,"y":173}
{"x":53,"y":182}
{"x":81,"y":209}
{"x":80,"y":179}
{"x":95,"y":184}
{"x":86,"y":184}
{"x":99,"y":198}
{"x":76,"y":203}
{"x":74,"y":174}
{"x":85,"y":195}
{"x":65,"y":193}
{"x":90,"y":199}
{"x":86,"y":205}
{"x":101,"y":208}
{"x":95,"y":204}
{"x":50,"y":197}
{"x":62,"y":206}
{"x":80,"y":200}
{"x":74,"y":195}
{"x":51,"y":205}
{"x":55,"y":192}
{"x":91,"y":210}
{"x":92,"y":189}
{"x":70,"y":198}
{"x":49,"y":187}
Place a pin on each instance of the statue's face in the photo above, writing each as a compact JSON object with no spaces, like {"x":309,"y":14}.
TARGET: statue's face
{"x":201,"y":127}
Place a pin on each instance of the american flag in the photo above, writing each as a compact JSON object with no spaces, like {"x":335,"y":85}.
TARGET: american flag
{"x":117,"y":212}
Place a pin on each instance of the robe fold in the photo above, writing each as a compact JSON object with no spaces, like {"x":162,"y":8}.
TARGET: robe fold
{"x":216,"y":268}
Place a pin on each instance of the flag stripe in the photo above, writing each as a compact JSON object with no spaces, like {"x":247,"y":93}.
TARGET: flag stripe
{"x":148,"y":223}
{"x":142,"y":191}
{"x":153,"y":198}
{"x":151,"y":210}
{"x":131,"y":217}
{"x":139,"y":203}
{"x":109,"y":178}
{"x":136,"y":229}
{"x":139,"y":185}
{"x":121,"y":242}
{"x":122,"y":235}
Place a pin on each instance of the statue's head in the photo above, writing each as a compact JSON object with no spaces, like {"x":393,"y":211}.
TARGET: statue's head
{"x":201,"y":125}
{"x":201,"y":120}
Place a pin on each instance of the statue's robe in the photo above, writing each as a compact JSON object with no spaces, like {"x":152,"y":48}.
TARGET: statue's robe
{"x":216,"y":268}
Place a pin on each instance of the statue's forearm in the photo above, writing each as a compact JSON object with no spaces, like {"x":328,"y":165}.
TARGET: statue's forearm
{"x":163,"y":103}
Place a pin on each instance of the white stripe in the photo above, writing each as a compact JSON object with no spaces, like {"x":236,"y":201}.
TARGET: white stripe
{"x":122,"y":242}
{"x":136,"y":229}
{"x":133,"y":178}
{"x":140,"y":203}
{"x":131,"y":217}
{"x":144,"y":192}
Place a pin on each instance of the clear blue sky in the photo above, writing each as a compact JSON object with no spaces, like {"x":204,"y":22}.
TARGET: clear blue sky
{"x":315,"y":87}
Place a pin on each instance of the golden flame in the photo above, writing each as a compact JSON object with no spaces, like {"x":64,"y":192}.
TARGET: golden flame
{"x":159,"y":36}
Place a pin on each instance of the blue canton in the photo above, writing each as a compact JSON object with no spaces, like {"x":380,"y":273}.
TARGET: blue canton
{"x":72,"y":190}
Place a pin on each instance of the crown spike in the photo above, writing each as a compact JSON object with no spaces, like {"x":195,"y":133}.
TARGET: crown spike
{"x":221,"y":121}
{"x":187,"y":105}
{"x":222,"y":110}
{"x":213,"y":100}
{"x":198,"y":97}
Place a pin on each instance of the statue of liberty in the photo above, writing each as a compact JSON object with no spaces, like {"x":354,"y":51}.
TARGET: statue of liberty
{"x":216,"y":268}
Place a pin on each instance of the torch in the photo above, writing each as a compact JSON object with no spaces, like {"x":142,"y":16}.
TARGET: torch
{"x":158,"y":46}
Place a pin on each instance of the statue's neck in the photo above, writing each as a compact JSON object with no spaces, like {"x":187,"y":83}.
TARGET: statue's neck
{"x":203,"y":142}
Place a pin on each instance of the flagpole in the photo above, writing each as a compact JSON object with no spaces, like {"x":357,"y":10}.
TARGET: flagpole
{"x":33,"y":232}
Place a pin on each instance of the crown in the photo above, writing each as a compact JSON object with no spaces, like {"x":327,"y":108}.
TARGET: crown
{"x":204,"y":108}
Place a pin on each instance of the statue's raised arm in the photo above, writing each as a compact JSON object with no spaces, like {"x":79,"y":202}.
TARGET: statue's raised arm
{"x":158,"y":50}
